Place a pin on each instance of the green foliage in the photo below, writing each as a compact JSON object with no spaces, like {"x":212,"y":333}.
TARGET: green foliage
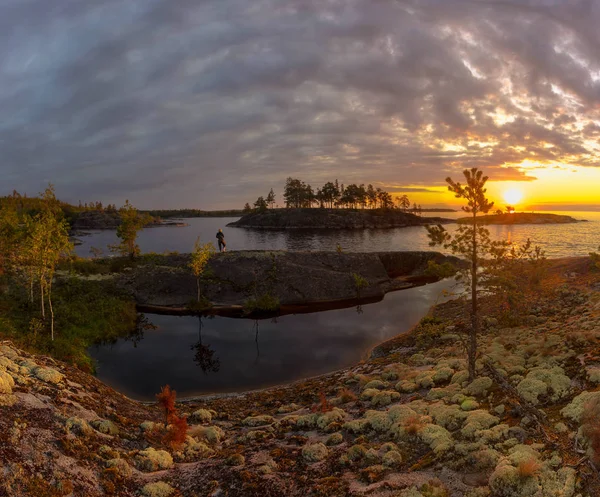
{"x":339,"y":249}
{"x":264,"y":303}
{"x":200,"y":258}
{"x":131,"y":223}
{"x":359,"y":283}
{"x":87,"y":312}
{"x":444,"y":270}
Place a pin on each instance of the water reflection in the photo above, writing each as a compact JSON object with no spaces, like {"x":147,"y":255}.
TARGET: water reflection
{"x":556,"y":240}
{"x":204,"y":356}
{"x":256,"y":353}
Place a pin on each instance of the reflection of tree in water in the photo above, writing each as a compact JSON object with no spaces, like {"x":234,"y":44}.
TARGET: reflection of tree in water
{"x":142,"y":323}
{"x":359,"y":309}
{"x":256,"y":339}
{"x":204,"y":356}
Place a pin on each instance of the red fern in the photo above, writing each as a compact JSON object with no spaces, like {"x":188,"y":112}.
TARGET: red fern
{"x":166,"y":399}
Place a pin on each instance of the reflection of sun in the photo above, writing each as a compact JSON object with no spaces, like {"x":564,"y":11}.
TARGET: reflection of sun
{"x":513,"y":196}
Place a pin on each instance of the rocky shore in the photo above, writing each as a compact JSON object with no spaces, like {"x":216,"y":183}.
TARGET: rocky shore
{"x":291,"y":278}
{"x":405,"y":423}
{"x":333,"y":219}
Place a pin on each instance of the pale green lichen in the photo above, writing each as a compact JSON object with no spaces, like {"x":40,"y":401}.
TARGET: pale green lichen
{"x":392,"y":459}
{"x":385,"y":398}
{"x":377,"y":384}
{"x":476,"y":421}
{"x":153,"y":460}
{"x":469,"y":405}
{"x":406,"y":386}
{"x":6,"y":383}
{"x":368,"y":393}
{"x":555,"y":383}
{"x":314,"y":452}
{"x":378,"y":421}
{"x":334,"y":439}
{"x":258,"y":420}
{"x":121,"y":467}
{"x":212,"y":434}
{"x":400,"y":413}
{"x":479,"y":386}
{"x":442,"y":375}
{"x":105,"y":426}
{"x":78,"y":426}
{"x":439,"y":439}
{"x":336,"y":415}
{"x":594,"y":375}
{"x":157,"y":489}
{"x":450,"y":417}
{"x":201,"y":416}
{"x":575,"y":410}
{"x":48,"y":375}
{"x":356,"y":452}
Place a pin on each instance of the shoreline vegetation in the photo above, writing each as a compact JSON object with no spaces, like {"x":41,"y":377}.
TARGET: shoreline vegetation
{"x":406,"y":420}
{"x":493,"y":394}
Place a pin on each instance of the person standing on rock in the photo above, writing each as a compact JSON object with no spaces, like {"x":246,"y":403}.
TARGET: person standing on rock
{"x":221,"y":239}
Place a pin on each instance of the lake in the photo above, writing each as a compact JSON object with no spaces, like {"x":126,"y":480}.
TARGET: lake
{"x":558,"y":240}
{"x":242,"y":354}
{"x":231,"y":356}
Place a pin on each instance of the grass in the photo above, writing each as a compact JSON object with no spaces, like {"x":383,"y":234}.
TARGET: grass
{"x":263,"y":303}
{"x":86,"y":312}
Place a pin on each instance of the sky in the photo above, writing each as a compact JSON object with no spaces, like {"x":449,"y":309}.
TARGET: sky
{"x":210,"y":103}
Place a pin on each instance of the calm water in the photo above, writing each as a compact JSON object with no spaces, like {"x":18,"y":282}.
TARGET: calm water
{"x":235,"y":357}
{"x":557,"y":240}
{"x":232,"y":356}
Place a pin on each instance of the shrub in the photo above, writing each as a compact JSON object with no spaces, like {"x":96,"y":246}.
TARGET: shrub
{"x":264,"y":303}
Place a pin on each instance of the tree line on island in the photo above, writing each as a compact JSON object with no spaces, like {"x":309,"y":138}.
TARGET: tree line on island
{"x":297,"y":195}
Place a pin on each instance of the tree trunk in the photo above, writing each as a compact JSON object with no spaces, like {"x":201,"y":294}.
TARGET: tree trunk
{"x":42,"y":298}
{"x":472,"y":349}
{"x":51,"y":313}
{"x":198,"y":284}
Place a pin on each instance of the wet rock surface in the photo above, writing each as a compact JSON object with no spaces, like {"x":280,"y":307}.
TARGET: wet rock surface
{"x":294,"y":278}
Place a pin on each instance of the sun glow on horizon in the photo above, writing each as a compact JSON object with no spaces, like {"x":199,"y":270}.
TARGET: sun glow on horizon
{"x":512,"y":196}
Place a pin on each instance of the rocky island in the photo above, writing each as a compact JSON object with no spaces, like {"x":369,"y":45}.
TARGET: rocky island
{"x":289,"y":280}
{"x":333,"y":219}
{"x":405,"y":423}
{"x":519,"y":218}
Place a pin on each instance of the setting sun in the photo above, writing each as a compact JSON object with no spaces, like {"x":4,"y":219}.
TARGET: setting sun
{"x":513,"y":196}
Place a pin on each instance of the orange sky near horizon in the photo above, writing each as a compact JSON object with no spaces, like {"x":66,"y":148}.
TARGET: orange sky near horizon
{"x":555,"y":186}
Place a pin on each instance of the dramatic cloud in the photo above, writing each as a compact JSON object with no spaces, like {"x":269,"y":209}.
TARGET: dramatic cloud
{"x":211,"y":103}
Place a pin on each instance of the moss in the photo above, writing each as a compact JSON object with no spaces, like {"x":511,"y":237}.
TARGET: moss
{"x":105,"y":426}
{"x":439,"y":439}
{"x":442,"y":375}
{"x":258,"y":420}
{"x":120,"y":466}
{"x":469,"y":405}
{"x":406,"y":386}
{"x":201,"y":416}
{"x":356,"y":452}
{"x":477,"y":421}
{"x":530,"y":389}
{"x":368,"y":393}
{"x":153,"y":460}
{"x":235,"y":460}
{"x":378,"y":384}
{"x":390,"y":375}
{"x":314,"y":452}
{"x":6,"y":383}
{"x":212,"y":434}
{"x":424,"y":379}
{"x":392,"y":459}
{"x":356,"y":426}
{"x":79,"y":426}
{"x":334,"y":439}
{"x":443,"y":393}
{"x":336,"y":415}
{"x":157,"y":489}
{"x":450,"y":417}
{"x":557,"y":384}
{"x":48,"y":375}
{"x":459,"y":377}
{"x":574,"y":411}
{"x":378,"y":421}
{"x":385,"y":398}
{"x":479,"y":386}
{"x":399,"y":414}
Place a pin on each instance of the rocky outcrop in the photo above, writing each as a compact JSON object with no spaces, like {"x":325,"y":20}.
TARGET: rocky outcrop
{"x":519,"y":218}
{"x":293,"y":278}
{"x":333,"y":219}
{"x":96,"y":220}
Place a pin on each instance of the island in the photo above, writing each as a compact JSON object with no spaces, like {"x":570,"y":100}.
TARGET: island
{"x":520,"y":218}
{"x":333,"y":219}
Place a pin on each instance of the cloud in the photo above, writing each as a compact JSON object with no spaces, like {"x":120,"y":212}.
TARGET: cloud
{"x":211,"y":103}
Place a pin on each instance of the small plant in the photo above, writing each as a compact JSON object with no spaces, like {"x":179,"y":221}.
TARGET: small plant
{"x":323,"y":405}
{"x":359,"y":283}
{"x":413,"y":425}
{"x":346,"y":395}
{"x":441,"y":271}
{"x":166,"y":400}
{"x":338,"y":249}
{"x":264,"y":303}
{"x":528,"y":468}
{"x":176,"y":427}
